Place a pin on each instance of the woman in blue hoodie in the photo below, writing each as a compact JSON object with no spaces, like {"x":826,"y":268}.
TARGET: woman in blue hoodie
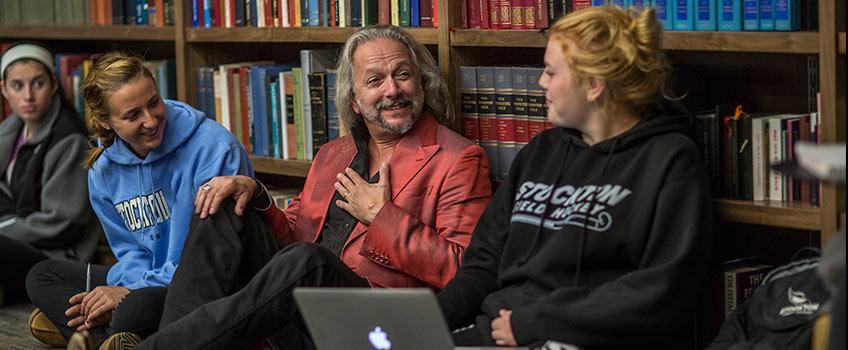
{"x":153,"y":155}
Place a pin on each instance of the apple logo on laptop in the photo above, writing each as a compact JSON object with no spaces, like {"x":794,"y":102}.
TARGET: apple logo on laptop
{"x":379,"y":339}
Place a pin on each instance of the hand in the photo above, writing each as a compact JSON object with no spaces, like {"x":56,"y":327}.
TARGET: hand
{"x":211,"y":194}
{"x":94,"y":308}
{"x":502,"y":329}
{"x":363,"y":200}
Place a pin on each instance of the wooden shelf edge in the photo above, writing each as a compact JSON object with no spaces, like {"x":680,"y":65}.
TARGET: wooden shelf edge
{"x":779,"y":214}
{"x":266,"y":165}
{"x":774,"y":42}
{"x":842,"y":43}
{"x":88,"y":32}
{"x":426,"y":36}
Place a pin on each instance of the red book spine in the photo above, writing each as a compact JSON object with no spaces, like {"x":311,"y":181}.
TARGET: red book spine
{"x":245,"y":114}
{"x":494,"y":14}
{"x":332,"y":17}
{"x":541,"y":14}
{"x":201,"y":18}
{"x":580,"y":4}
{"x":463,"y":5}
{"x":216,"y":13}
{"x":269,"y":13}
{"x":435,"y":14}
{"x":517,"y":14}
{"x":505,"y":14}
{"x":384,"y":13}
{"x":474,"y":14}
{"x":484,"y":14}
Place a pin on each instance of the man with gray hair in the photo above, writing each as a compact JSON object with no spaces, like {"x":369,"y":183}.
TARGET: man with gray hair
{"x":392,"y":204}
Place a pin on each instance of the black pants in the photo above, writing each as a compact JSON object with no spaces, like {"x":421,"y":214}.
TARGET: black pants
{"x":233,"y":288}
{"x":51,"y":283}
{"x":16,"y":259}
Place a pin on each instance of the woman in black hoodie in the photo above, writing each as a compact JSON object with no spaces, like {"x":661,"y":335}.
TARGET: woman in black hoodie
{"x":600,"y":234}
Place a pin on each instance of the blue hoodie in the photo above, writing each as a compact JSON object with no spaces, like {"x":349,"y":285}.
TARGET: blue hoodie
{"x":146,"y":205}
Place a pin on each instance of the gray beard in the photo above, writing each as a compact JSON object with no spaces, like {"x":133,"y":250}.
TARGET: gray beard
{"x":371,"y":113}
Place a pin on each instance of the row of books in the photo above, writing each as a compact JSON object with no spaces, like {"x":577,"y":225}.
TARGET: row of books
{"x":87,"y":12}
{"x":72,"y":68}
{"x":276,"y":110}
{"x":683,"y":15}
{"x":283,"y":196}
{"x":730,"y":285}
{"x":313,"y":13}
{"x":502,"y":109}
{"x":739,"y":148}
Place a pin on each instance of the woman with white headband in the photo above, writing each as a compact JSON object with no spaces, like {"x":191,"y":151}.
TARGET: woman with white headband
{"x":44,"y":207}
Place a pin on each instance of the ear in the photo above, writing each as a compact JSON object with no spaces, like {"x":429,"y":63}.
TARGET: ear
{"x":3,"y":89}
{"x":104,"y":124}
{"x":355,"y":105}
{"x":594,"y":88}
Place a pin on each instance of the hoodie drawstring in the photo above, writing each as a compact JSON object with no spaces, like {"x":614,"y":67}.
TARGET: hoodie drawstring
{"x":594,"y":202}
{"x":538,"y":234}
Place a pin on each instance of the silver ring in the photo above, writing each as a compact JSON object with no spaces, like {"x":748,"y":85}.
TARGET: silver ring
{"x":206,"y":187}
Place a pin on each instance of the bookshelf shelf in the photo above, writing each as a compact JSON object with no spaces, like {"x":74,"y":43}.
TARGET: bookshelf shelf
{"x":265,"y":165}
{"x":85,"y":32}
{"x":428,"y":36}
{"x":781,"y":214}
{"x":842,"y":43}
{"x":777,"y":42}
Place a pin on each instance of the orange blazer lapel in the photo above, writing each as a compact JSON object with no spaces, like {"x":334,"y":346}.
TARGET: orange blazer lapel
{"x":412,"y":153}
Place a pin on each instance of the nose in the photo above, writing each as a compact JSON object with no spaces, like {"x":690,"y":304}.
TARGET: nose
{"x":150,"y":120}
{"x":29,"y":93}
{"x":391,"y":88}
{"x":543,"y":81}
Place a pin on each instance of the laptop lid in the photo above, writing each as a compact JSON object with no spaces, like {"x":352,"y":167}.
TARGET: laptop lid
{"x":373,"y":319}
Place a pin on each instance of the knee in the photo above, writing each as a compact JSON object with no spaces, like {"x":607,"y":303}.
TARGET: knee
{"x":39,"y":276}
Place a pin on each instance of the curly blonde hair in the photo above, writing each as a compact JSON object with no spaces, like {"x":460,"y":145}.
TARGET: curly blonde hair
{"x":111,"y":72}
{"x":622,"y":48}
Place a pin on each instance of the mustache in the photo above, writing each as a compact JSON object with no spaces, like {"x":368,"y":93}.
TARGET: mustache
{"x":388,"y":103}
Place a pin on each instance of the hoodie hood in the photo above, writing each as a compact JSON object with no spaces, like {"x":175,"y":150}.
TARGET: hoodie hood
{"x":181,"y":123}
{"x":658,"y":118}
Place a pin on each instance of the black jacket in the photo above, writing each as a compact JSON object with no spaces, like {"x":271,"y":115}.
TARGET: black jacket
{"x":599,"y":246}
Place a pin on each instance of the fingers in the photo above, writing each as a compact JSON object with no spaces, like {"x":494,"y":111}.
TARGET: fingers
{"x":354,"y":177}
{"x":76,"y":298}
{"x":100,"y":308}
{"x":345,"y":180}
{"x":73,"y":310}
{"x":384,"y":174}
{"x":76,"y":321}
{"x":342,"y":190}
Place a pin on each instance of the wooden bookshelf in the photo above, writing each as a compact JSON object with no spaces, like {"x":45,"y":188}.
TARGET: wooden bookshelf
{"x":776,"y":42}
{"x":842,"y":43}
{"x":111,"y":33}
{"x":427,"y":36}
{"x":266,"y":165}
{"x":781,"y":214}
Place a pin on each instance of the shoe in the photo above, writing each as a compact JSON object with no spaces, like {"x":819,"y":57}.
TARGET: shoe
{"x":121,"y":341}
{"x":44,"y":330}
{"x":80,"y":341}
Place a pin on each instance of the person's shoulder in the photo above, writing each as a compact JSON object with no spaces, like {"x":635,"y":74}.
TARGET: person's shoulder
{"x":451,"y":140}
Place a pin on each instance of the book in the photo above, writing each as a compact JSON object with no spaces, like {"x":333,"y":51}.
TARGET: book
{"x":684,"y":15}
{"x":505,"y":117}
{"x":468,"y":97}
{"x":318,"y":102}
{"x":312,"y":61}
{"x":299,"y":119}
{"x":787,"y":15}
{"x":705,"y":14}
{"x":766,"y":15}
{"x":486,"y":112}
{"x":740,"y":283}
{"x":663,"y":11}
{"x":260,"y":76}
{"x":519,"y":105}
{"x":536,"y":113}
{"x":333,"y":123}
{"x":750,"y":15}
{"x":730,"y":15}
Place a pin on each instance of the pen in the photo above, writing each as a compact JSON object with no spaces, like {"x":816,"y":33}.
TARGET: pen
{"x":88,"y":278}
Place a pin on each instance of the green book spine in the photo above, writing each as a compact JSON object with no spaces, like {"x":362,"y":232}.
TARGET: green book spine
{"x":405,"y":9}
{"x":299,"y":128}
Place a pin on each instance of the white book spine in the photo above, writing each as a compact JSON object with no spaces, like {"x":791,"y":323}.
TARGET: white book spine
{"x":306,"y":64}
{"x":758,"y":159}
{"x":775,"y":156}
{"x":285,"y":6}
{"x":229,"y":21}
{"x":225,"y":99}
{"x":342,"y":9}
{"x":260,"y":14}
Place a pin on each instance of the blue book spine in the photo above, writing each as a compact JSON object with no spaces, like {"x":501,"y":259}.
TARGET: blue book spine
{"x":415,"y":13}
{"x":638,"y":3}
{"x":314,"y":12}
{"x":731,"y":16}
{"x":355,"y":13}
{"x":705,"y":15}
{"x":258,"y":114}
{"x":619,"y":3}
{"x":766,"y":14}
{"x":207,"y":13}
{"x":599,"y":2}
{"x":786,"y":15}
{"x":254,"y":20}
{"x":750,"y":15}
{"x":684,"y":15}
{"x":332,"y":113}
{"x":195,"y":19}
{"x":141,"y":12}
{"x":663,"y":14}
{"x":274,"y":95}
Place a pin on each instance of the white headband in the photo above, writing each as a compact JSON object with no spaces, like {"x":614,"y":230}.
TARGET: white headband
{"x":19,"y":52}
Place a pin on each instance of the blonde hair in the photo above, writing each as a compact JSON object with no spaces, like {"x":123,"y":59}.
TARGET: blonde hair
{"x":621,"y":48}
{"x":111,"y":72}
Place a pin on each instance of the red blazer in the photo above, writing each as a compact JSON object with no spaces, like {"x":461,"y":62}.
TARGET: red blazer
{"x":440,"y":186}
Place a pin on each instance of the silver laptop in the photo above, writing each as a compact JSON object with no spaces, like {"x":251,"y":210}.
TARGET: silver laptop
{"x":373,"y":319}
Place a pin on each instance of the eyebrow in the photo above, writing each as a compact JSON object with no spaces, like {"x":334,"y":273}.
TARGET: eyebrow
{"x":155,"y":96}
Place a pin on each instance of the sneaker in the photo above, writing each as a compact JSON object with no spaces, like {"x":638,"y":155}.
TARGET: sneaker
{"x":80,"y":341}
{"x":44,"y":330}
{"x":121,"y":341}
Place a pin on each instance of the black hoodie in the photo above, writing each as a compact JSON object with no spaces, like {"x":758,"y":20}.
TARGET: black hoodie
{"x":626,"y":274}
